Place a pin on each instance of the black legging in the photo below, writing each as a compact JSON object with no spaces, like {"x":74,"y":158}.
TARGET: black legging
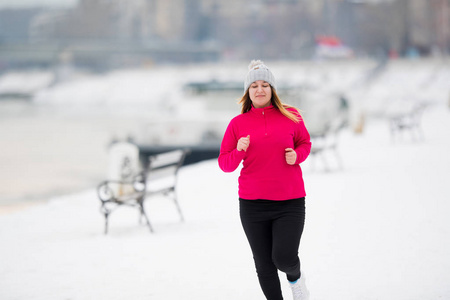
{"x":274,"y":229}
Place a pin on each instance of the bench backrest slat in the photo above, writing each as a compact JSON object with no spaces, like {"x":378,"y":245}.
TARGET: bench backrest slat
{"x":162,"y":170}
{"x":166,"y":159}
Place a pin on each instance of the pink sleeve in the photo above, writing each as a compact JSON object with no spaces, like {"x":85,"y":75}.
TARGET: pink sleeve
{"x":230,"y":157}
{"x":302,"y":142}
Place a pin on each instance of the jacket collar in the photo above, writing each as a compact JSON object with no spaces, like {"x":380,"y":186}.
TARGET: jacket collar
{"x":263,"y":109}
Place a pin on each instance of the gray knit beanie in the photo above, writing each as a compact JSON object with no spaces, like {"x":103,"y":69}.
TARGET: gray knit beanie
{"x":258,"y":71}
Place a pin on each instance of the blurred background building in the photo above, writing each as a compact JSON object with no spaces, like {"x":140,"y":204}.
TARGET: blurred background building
{"x":103,"y":34}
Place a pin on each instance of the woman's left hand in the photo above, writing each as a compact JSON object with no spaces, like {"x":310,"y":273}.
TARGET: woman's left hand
{"x":291,"y":156}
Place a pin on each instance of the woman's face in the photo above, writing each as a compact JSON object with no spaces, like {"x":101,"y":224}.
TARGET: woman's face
{"x":260,"y":93}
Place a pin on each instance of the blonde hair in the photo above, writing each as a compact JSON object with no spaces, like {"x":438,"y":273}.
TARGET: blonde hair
{"x":246,"y":105}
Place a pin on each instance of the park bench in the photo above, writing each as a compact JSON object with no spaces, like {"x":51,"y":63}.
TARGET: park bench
{"x":325,"y":142}
{"x":406,"y":116}
{"x":325,"y":115}
{"x":129,"y":185}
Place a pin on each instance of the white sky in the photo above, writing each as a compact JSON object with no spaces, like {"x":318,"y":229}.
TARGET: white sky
{"x":34,"y":3}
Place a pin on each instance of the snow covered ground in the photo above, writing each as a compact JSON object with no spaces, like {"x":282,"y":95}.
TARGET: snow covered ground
{"x":378,"y":229}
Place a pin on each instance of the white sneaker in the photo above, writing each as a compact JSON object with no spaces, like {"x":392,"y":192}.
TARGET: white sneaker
{"x":299,"y":290}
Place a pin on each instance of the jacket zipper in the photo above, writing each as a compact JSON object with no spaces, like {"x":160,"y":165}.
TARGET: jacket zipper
{"x":265,"y":123}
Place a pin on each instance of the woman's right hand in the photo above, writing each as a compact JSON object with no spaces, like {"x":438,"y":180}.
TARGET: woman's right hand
{"x":243,"y":143}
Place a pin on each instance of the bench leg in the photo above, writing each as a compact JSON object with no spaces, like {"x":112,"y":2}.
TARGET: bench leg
{"x":175,"y":200}
{"x":106,"y":222}
{"x":106,"y":213}
{"x":144,"y":214}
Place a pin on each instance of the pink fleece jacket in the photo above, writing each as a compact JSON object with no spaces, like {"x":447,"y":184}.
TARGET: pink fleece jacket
{"x":265,"y":173}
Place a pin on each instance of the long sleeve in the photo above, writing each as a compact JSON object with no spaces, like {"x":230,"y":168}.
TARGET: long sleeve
{"x":230,"y":157}
{"x":302,"y":143}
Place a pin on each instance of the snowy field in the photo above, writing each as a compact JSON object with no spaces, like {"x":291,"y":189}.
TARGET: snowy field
{"x":378,"y":229}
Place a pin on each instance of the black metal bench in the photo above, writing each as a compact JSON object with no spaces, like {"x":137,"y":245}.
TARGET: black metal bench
{"x":159,"y":177}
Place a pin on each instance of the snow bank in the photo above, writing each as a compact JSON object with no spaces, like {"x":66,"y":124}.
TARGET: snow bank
{"x":25,"y":83}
